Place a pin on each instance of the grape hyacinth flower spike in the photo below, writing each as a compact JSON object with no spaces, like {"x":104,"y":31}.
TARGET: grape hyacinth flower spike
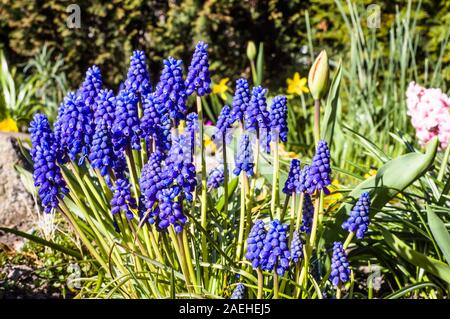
{"x":244,"y":159}
{"x":296,"y":247}
{"x":241,"y":99}
{"x":293,"y":178}
{"x":77,"y":127}
{"x":215,"y":178}
{"x":320,"y":170}
{"x":91,"y":87}
{"x":307,"y":214}
{"x":122,"y":199}
{"x":105,"y":108}
{"x":101,"y":153}
{"x":223,"y":126}
{"x":278,"y":118}
{"x":340,"y":267}
{"x":171,"y":90}
{"x":198,"y":78}
{"x":138,"y":77}
{"x":255,"y":243}
{"x":256,"y":115}
{"x":47,"y":174}
{"x":358,"y":221}
{"x":275,"y":254}
{"x":238,"y":292}
{"x":126,"y":128}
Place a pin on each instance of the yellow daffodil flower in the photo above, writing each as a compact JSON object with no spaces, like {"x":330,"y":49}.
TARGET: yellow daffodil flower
{"x":334,"y":196}
{"x":297,"y":85}
{"x":8,"y":125}
{"x":221,"y":88}
{"x":370,"y":173}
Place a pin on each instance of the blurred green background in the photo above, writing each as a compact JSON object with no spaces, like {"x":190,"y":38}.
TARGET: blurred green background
{"x":111,"y":30}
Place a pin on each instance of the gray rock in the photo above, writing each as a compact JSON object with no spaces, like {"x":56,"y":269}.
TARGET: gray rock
{"x":17,"y":207}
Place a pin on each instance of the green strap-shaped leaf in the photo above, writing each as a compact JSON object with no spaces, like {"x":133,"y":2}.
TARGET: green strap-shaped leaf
{"x":440,"y":233}
{"x":329,"y":120}
{"x":431,"y":265}
{"x":42,"y":241}
{"x":393,"y":177}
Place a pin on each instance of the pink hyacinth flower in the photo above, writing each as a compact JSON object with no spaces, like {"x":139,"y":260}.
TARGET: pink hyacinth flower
{"x":429,"y":110}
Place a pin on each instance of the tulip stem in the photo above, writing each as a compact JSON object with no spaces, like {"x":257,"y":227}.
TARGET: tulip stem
{"x":316,"y":121}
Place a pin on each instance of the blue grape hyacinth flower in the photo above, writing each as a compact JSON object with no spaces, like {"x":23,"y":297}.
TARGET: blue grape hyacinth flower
{"x":216,"y":177}
{"x":358,"y":221}
{"x":301,"y":185}
{"x":340,"y":267}
{"x":171,"y":90}
{"x":256,"y":115}
{"x":126,"y":129}
{"x":91,"y":87}
{"x":278,"y":118}
{"x":170,"y":210}
{"x":296,"y":247}
{"x":275,"y":254}
{"x":150,"y":117}
{"x":255,"y":243}
{"x":293,"y":177}
{"x":101,"y":153}
{"x":244,"y":158}
{"x":192,"y":128}
{"x":198,"y":78}
{"x":238,"y":292}
{"x":122,"y":199}
{"x":138,"y":77}
{"x":105,"y":107}
{"x":223,"y":126}
{"x":241,"y":100}
{"x":77,"y":127}
{"x":47,"y":174}
{"x":307,"y":214}
{"x":320,"y":170}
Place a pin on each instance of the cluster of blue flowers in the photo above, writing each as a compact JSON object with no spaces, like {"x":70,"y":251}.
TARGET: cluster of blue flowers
{"x":216,"y":177}
{"x":269,"y":249}
{"x":96,"y":127}
{"x":358,"y":222}
{"x":47,"y":174}
{"x":244,"y":159}
{"x":292,"y":182}
{"x":241,"y":99}
{"x":340,"y":267}
{"x":320,"y":170}
{"x":238,"y":292}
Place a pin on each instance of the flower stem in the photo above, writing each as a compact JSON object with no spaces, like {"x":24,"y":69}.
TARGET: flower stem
{"x":241,"y":219}
{"x":300,"y":211}
{"x":275,"y":285}
{"x":255,"y":174}
{"x":260,"y":283}
{"x":275,"y":193}
{"x":348,"y":240}
{"x":338,"y":292}
{"x":203,"y":210}
{"x":225,"y":176}
{"x":316,"y":121}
